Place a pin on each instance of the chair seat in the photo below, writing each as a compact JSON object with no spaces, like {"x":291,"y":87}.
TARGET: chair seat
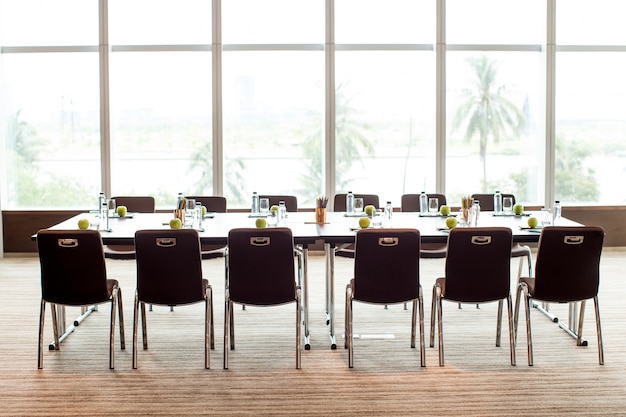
{"x":119,"y":251}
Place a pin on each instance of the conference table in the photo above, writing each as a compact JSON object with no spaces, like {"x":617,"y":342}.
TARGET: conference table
{"x":336,"y":233}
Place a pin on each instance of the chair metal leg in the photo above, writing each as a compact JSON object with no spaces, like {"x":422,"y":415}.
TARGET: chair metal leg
{"x":440,"y":328}
{"x":55,"y":325}
{"x":212,"y":340}
{"x":349,"y":326}
{"x":499,"y":324}
{"x":227,"y":306}
{"x":529,"y":338}
{"x":599,"y":331}
{"x":509,"y":303}
{"x":421,"y":318}
{"x":581,"y":319}
{"x":516,"y":310}
{"x":433,"y":312}
{"x":413,"y":323}
{"x":120,"y":313}
{"x":112,"y":331}
{"x":135,"y":324}
{"x":208,"y":316}
{"x":144,"y":326}
{"x":42,"y":311}
{"x":298,"y":328}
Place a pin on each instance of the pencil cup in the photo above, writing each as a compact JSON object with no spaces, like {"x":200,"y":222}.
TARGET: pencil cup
{"x":320,"y":215}
{"x":180,"y":214}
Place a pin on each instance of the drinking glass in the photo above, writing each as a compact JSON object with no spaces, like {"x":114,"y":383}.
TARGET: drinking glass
{"x":507,"y":205}
{"x":112,"y":206}
{"x":358,"y":205}
{"x":264,"y":206}
{"x":433,"y":205}
{"x":190,"y":213}
{"x":377,"y":218}
{"x":546,"y":217}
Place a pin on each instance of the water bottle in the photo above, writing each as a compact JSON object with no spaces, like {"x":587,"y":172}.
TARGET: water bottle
{"x":104,"y":215}
{"x":475,"y":213}
{"x":255,"y":203}
{"x":556,"y":211}
{"x":497,"y":202}
{"x":281,"y":216}
{"x":388,"y":214}
{"x":350,"y":202}
{"x":101,"y":199}
{"x":423,"y":202}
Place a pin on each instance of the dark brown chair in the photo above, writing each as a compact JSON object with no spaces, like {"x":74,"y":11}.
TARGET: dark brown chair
{"x":339,"y":204}
{"x":411,"y":202}
{"x":169,"y":272}
{"x":134,"y":204}
{"x":386,"y":271}
{"x":477,"y":271}
{"x":73,"y":273}
{"x":213,"y":204}
{"x":567,"y":270}
{"x":291,"y":201}
{"x":260,"y":271}
{"x":517,"y":250}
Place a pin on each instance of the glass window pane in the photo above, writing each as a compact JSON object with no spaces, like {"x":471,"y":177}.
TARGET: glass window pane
{"x":590,"y":124}
{"x":161,"y":137}
{"x":495,"y":124}
{"x":159,"y":22}
{"x":272,"y":21}
{"x":398,"y":21}
{"x":273,"y":125}
{"x":52,"y":106}
{"x":581,"y":22}
{"x":45,"y":22}
{"x":385,"y":123}
{"x":496,"y":22}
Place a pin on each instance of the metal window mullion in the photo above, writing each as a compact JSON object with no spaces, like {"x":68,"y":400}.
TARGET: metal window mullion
{"x":329,"y":123}
{"x":218,"y":132}
{"x":105,"y":116}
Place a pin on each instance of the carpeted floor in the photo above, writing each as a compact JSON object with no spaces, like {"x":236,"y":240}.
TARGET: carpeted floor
{"x":387,"y":379}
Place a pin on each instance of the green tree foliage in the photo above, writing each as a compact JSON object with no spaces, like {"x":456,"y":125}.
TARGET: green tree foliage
{"x":485,"y":112}
{"x":351,"y":144}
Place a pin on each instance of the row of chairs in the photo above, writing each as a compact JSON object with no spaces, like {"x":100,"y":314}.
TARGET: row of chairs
{"x":260,"y":270}
{"x":477,"y":270}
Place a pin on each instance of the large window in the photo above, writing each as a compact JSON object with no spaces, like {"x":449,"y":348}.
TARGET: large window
{"x":385,"y":98}
{"x":311,"y":97}
{"x":590,"y":103}
{"x":495,"y":94}
{"x":273,"y":99}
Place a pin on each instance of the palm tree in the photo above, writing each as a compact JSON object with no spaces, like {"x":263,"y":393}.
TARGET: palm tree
{"x":485,"y":111}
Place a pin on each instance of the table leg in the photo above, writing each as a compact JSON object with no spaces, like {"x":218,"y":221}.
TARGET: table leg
{"x":305,"y":297}
{"x":330,"y":293}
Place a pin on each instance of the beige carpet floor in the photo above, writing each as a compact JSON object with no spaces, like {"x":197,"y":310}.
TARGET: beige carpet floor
{"x":387,"y":379}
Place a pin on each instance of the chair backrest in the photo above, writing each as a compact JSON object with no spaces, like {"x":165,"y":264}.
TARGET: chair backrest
{"x":73,"y":271}
{"x":478,"y":264}
{"x":568,"y":263}
{"x":213,"y":203}
{"x":169,"y":266}
{"x":486,"y":200}
{"x":411,"y":202}
{"x":339,"y":202}
{"x":291,"y":201}
{"x":136,"y":204}
{"x":260,"y":266}
{"x":386,"y":265}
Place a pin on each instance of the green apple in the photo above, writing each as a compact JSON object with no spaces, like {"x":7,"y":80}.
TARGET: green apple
{"x":203,"y":211}
{"x":533,"y":222}
{"x":261,"y":222}
{"x":451,"y":222}
{"x":121,"y":211}
{"x":444,"y":210}
{"x":518,"y":209}
{"x":364,"y":222}
{"x":274,"y":209}
{"x":369,"y":209}
{"x":83,"y":224}
{"x":176,"y":223}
